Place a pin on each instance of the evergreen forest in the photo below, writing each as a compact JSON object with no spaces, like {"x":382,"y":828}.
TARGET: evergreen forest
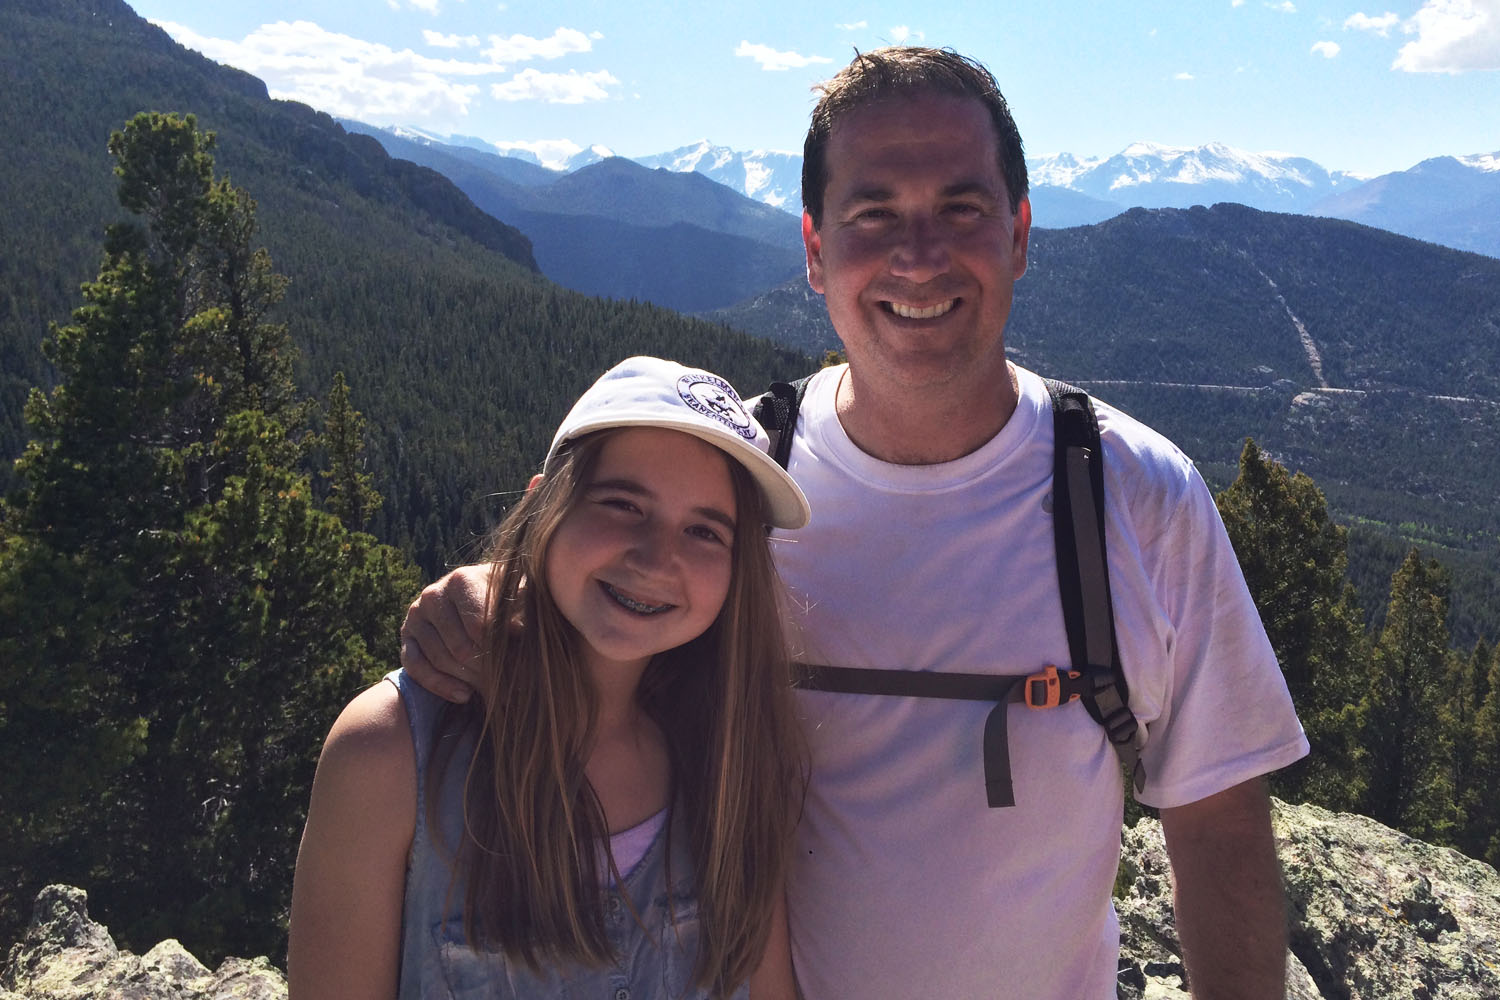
{"x":260,"y":381}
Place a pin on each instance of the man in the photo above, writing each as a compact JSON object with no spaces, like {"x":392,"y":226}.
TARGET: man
{"x":928,"y":464}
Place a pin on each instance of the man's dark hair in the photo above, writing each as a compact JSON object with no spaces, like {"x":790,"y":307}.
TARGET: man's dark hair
{"x":906,"y":71}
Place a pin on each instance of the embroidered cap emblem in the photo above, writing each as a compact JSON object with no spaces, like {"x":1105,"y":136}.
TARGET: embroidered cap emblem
{"x":713,"y":397}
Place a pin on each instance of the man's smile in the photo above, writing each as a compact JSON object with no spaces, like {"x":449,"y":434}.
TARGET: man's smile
{"x":919,"y":312}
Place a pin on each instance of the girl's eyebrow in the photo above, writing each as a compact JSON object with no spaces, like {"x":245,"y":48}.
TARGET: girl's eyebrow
{"x":635,"y":488}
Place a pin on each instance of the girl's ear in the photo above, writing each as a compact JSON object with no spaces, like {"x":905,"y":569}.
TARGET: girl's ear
{"x":536,"y":481}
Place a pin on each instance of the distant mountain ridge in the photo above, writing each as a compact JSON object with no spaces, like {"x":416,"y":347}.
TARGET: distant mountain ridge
{"x":1149,"y":175}
{"x":1453,"y":200}
{"x":620,"y":229}
{"x":768,"y":176}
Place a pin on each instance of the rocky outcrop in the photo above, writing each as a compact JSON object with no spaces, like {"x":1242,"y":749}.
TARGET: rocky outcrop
{"x":66,"y":956}
{"x":1373,"y":915}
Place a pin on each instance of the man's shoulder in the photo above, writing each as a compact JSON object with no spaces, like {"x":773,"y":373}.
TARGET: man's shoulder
{"x":1145,"y":472}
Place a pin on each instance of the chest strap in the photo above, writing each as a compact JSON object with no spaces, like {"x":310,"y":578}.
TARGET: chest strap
{"x":1083,"y":586}
{"x":1048,"y":688}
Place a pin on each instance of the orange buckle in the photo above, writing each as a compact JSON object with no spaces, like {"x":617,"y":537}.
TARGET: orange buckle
{"x":1045,"y":689}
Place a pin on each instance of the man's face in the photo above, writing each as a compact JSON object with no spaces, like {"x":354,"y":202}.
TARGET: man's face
{"x":918,"y":249}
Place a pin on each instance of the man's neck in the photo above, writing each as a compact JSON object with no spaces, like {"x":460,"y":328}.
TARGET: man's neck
{"x":920,"y":426}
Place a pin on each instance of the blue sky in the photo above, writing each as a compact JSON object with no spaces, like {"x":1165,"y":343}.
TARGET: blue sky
{"x":1360,"y":85}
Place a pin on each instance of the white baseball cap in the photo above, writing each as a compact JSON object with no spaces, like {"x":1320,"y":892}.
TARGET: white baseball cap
{"x":652,"y":392}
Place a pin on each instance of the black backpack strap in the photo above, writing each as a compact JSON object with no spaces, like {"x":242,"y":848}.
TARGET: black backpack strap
{"x":1083,"y":572}
{"x":777,"y":412}
{"x":1000,"y":689}
{"x":1096,"y":679}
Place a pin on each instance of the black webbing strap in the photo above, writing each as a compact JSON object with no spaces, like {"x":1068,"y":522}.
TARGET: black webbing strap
{"x":1083,"y":571}
{"x":927,"y":684}
{"x":777,"y":412}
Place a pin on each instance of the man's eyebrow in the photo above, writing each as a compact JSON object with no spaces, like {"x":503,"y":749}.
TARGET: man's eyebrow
{"x":635,"y":488}
{"x":960,"y":188}
{"x":871,"y":193}
{"x":876,"y":193}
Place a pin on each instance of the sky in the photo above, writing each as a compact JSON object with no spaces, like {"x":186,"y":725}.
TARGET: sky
{"x":1364,"y":86}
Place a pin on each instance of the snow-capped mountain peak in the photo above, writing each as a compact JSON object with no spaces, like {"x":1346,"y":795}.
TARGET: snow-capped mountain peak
{"x":768,"y":176}
{"x":1487,"y":162}
{"x":1155,"y":175}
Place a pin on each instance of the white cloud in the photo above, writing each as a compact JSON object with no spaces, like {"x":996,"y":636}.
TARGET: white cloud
{"x":428,"y":6}
{"x":773,"y":61}
{"x":1381,"y":25}
{"x":853,"y":26}
{"x":571,"y":87}
{"x":1452,"y":36}
{"x":596,"y":35}
{"x":1183,"y":76}
{"x":438,"y":40}
{"x":1326,"y":49}
{"x":523,"y":48}
{"x":553,"y":153}
{"x":346,"y":76}
{"x":1285,"y":6}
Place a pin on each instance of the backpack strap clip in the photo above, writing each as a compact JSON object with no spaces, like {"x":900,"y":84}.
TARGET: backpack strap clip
{"x":1050,"y":687}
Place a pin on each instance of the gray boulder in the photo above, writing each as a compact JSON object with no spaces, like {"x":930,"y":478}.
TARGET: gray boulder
{"x":66,"y":956}
{"x":1372,"y":914}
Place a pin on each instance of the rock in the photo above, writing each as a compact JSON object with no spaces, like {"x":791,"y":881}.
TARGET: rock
{"x":66,"y":956}
{"x":1372,"y":914}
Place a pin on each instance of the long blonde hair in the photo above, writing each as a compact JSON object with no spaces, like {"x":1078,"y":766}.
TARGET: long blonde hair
{"x":529,"y":856}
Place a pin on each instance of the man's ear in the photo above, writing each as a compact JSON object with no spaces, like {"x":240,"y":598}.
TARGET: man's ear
{"x":814,"y":247}
{"x":536,"y":481}
{"x":1020,"y":238}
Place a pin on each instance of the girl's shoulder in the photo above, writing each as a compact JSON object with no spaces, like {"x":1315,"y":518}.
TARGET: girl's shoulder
{"x":369,"y":754}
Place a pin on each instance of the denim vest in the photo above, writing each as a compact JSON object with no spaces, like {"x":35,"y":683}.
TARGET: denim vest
{"x":653,"y":956}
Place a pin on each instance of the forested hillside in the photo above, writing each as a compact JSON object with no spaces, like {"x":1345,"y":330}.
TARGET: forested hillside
{"x":187,"y":596}
{"x":1368,"y":360}
{"x":459,"y":353}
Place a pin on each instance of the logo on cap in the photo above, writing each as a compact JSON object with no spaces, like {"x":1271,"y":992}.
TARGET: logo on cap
{"x":713,"y":397}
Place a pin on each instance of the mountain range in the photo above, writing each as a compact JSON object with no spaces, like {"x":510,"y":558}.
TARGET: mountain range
{"x":422,"y":288}
{"x":618,"y":228}
{"x":1451,"y":200}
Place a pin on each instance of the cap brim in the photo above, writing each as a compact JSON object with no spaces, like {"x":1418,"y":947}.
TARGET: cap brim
{"x":786,"y":506}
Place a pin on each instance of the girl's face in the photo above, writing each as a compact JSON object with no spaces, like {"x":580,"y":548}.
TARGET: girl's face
{"x":641,"y":563}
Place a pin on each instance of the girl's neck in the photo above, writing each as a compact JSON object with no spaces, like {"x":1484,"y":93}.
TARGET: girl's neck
{"x":630,"y":770}
{"x":629,"y":765}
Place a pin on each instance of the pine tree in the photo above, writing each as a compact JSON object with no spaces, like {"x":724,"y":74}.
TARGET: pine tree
{"x":1410,"y":778}
{"x":1295,"y":562}
{"x":181,"y":620}
{"x":351,"y":490}
{"x":1481,"y":830}
{"x":1465,"y":688}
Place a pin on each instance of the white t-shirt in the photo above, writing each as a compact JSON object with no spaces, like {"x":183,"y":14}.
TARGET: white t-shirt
{"x":905,"y":883}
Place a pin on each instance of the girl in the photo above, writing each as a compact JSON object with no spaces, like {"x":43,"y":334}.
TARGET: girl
{"x":611,"y":817}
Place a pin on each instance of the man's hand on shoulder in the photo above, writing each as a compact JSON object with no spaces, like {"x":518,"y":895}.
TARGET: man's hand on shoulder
{"x":443,"y":633}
